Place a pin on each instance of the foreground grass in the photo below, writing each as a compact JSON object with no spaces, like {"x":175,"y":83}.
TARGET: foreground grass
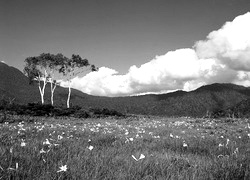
{"x":132,"y":148}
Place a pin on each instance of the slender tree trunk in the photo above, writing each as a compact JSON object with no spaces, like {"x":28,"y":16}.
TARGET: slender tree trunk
{"x":44,"y":84}
{"x":69,"y":94}
{"x":41,"y":90}
{"x":41,"y":93}
{"x":52,"y":92}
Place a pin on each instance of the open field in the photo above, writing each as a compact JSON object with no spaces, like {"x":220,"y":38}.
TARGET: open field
{"x":131,"y":148}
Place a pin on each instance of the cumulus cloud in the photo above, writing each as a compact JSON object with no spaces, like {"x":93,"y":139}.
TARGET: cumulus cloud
{"x":103,"y":82}
{"x":230,"y":44}
{"x":223,"y":57}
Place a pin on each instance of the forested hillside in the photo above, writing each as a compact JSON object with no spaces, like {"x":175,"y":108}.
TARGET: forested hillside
{"x":199,"y":102}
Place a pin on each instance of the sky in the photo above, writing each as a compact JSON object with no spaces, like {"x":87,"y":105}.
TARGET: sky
{"x":140,"y":46}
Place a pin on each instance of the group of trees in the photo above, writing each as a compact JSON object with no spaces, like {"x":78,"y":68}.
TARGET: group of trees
{"x":49,"y":68}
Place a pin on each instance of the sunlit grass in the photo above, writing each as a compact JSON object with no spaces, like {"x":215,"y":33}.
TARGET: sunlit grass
{"x":135,"y":148}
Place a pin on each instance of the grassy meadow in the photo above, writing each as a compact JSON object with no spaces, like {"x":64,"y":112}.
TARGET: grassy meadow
{"x":135,"y":147}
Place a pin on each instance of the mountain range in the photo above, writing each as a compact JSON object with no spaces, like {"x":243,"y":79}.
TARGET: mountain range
{"x":15,"y":85}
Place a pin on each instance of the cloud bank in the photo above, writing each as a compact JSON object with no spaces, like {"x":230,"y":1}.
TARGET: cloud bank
{"x":223,"y":57}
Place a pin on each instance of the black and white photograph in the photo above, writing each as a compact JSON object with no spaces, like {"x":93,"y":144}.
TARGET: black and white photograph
{"x":124,"y":89}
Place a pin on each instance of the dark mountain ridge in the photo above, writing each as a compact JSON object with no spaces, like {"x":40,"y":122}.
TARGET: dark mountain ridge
{"x":208,"y":98}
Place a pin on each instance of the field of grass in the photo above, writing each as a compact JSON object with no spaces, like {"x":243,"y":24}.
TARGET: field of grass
{"x":125,"y":149}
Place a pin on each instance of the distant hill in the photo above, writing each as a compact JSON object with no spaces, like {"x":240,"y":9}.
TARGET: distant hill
{"x":205,"y":99}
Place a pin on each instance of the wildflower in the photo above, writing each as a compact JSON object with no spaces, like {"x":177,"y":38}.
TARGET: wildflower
{"x":171,"y":135}
{"x":23,"y":143}
{"x":11,"y":150}
{"x":221,"y":145}
{"x":236,"y":151}
{"x":142,"y":156}
{"x":156,"y":137}
{"x":90,"y":148}
{"x":42,"y":151}
{"x":63,"y":168}
{"x":185,"y":144}
{"x":248,"y":135}
{"x":59,"y":137}
{"x":126,"y":133}
{"x":46,"y":142}
{"x":220,"y":156}
{"x":227,"y":142}
{"x":131,"y":139}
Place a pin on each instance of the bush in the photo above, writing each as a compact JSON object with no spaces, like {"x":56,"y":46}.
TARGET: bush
{"x":82,"y":114}
{"x":97,"y":112}
{"x":37,"y":109}
{"x":63,"y":111}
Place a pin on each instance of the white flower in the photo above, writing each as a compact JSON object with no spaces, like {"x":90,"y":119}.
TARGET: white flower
{"x":185,"y":144}
{"x":59,"y":137}
{"x":131,"y":139}
{"x":42,"y":151}
{"x":23,"y":143}
{"x":220,"y":156}
{"x":63,"y":168}
{"x":90,"y":148}
{"x":171,"y":135}
{"x":236,"y":151}
{"x":142,"y":156}
{"x":221,"y":145}
{"x":156,"y":137}
{"x":46,"y":142}
{"x":227,"y":142}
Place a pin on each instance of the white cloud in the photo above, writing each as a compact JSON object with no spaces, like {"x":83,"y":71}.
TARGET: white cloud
{"x":230,"y":44}
{"x":103,"y":82}
{"x":223,"y":57}
{"x":164,"y":73}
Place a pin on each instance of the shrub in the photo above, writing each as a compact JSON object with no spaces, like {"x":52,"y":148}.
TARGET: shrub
{"x":97,"y":112}
{"x":82,"y":114}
